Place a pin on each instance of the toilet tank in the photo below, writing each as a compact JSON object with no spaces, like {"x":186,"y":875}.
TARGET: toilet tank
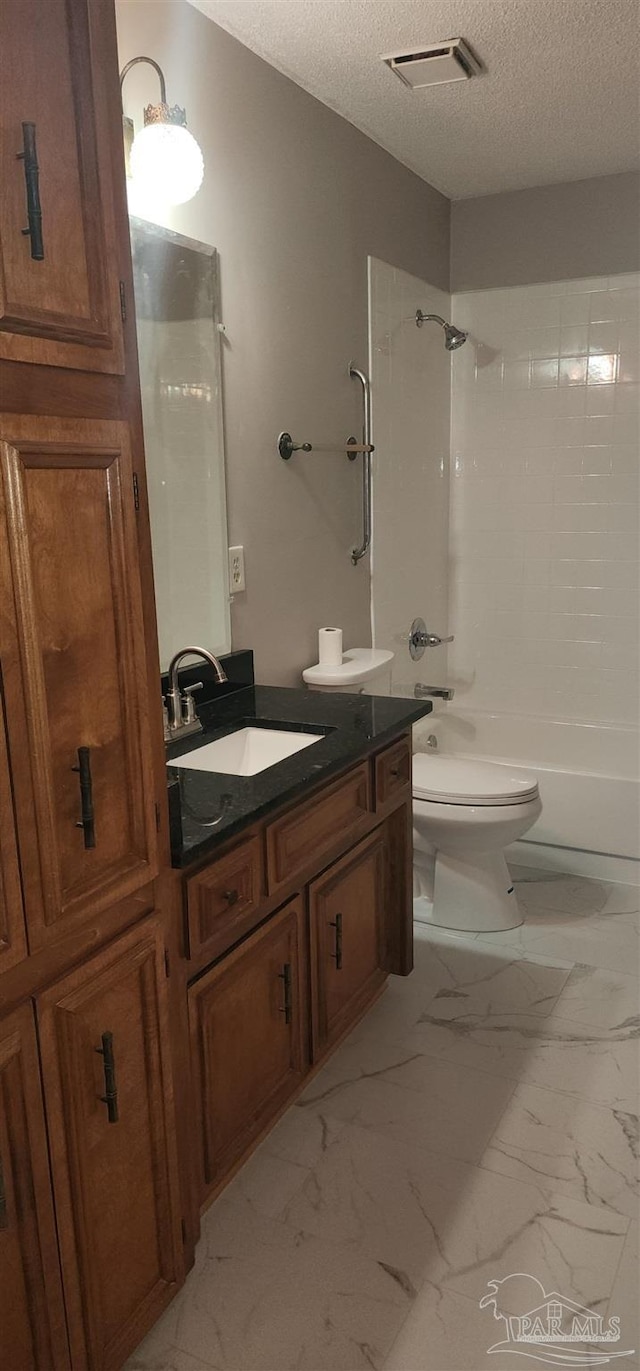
{"x":363,"y":671}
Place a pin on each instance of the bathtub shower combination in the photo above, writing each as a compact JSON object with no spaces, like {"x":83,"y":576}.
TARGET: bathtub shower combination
{"x":506,"y":513}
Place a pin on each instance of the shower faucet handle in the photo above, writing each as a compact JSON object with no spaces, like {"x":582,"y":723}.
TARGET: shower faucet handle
{"x":420,"y":638}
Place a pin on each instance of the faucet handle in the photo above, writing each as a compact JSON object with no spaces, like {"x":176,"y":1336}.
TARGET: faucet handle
{"x":188,"y":708}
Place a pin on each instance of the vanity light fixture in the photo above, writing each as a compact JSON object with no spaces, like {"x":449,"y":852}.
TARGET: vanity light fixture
{"x":164,"y":160}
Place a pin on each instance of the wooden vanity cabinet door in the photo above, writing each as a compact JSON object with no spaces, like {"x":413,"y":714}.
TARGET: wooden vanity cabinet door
{"x":347,"y":945}
{"x":247,"y":1018}
{"x":32,"y":1321}
{"x":13,"y":941}
{"x":114,"y":1165}
{"x":58,"y":70}
{"x":74,"y":667}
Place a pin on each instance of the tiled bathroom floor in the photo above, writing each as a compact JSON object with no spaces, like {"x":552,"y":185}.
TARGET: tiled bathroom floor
{"x":481,"y":1121}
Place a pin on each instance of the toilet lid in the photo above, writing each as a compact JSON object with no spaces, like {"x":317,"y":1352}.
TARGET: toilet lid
{"x":466,"y":781}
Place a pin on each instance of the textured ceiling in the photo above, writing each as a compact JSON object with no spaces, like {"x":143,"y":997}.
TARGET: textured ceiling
{"x":558,"y":101}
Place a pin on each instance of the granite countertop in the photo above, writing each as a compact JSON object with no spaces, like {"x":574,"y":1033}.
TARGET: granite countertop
{"x":205,"y":807}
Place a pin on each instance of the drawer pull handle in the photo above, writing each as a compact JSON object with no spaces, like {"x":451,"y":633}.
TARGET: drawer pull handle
{"x":337,"y":953}
{"x":285,"y":977}
{"x":395,"y":771}
{"x":86,"y":823}
{"x":4,"y":1221}
{"x":231,"y":896}
{"x":110,"y":1097}
{"x":34,"y":211}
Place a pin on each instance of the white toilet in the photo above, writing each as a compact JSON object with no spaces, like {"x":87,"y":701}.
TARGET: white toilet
{"x":465,"y":812}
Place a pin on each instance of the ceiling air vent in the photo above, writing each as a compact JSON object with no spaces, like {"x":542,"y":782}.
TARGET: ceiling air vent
{"x":434,"y":63}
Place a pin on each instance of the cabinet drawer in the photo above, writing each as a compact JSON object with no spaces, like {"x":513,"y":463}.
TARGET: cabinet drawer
{"x":222,"y":899}
{"x":392,"y":771}
{"x":298,"y":841}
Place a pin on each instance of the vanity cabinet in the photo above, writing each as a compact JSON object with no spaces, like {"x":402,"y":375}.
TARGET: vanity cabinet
{"x":72,"y":646}
{"x":248,"y":1034}
{"x":345,"y":915}
{"x":60,"y":301}
{"x":290,"y":934}
{"x":104,"y":1043}
{"x":32,"y":1326}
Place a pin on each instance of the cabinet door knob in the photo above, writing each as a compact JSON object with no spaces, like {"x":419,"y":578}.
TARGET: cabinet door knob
{"x":4,"y":1221}
{"x":285,"y":977}
{"x":110,"y":1097}
{"x":86,"y":823}
{"x":31,"y":176}
{"x":337,"y":952}
{"x":231,"y":896}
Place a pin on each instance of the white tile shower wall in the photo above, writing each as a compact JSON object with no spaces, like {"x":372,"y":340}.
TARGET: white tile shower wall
{"x":544,"y":504}
{"x":411,"y":386}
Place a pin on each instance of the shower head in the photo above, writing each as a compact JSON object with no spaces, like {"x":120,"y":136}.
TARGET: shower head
{"x":453,"y":337}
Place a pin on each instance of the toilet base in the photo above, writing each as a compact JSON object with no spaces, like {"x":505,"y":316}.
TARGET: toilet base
{"x":474,"y":895}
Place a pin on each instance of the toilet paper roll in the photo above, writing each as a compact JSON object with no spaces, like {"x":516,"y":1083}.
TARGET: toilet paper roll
{"x":330,"y":646}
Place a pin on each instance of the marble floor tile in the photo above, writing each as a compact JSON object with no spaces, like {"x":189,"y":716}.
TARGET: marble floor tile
{"x":574,"y":895}
{"x":480,"y":1120}
{"x":267,"y":1180}
{"x":570,"y":1146}
{"x":447,"y":1223}
{"x":421,"y":1101}
{"x":606,"y":999}
{"x":448,"y":1332}
{"x":552,"y":1052}
{"x":268,"y":1297}
{"x":624,"y":1302}
{"x":547,"y":933}
{"x":478,"y":979}
{"x":167,"y":1359}
{"x":301,"y":1136}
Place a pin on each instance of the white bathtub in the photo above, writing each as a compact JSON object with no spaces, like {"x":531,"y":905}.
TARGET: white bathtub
{"x":588,"y":775}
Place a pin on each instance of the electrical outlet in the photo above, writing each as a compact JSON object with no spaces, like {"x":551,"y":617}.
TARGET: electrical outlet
{"x":236,"y":570}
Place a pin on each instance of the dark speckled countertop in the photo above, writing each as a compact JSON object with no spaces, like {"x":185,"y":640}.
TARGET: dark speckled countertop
{"x":208,"y":807}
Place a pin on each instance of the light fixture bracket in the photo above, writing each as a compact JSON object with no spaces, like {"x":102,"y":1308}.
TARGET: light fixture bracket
{"x":165,"y":114}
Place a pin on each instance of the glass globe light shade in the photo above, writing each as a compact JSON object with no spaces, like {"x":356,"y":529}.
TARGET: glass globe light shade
{"x":166,"y":163}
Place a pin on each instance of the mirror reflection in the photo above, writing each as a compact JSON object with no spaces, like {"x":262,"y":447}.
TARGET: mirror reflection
{"x":177,"y":309}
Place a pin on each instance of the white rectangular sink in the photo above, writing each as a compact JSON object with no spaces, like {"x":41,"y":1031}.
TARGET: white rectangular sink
{"x":247,"y":751}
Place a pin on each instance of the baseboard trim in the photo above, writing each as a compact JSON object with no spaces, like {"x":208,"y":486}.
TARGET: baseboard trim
{"x":574,"y":861}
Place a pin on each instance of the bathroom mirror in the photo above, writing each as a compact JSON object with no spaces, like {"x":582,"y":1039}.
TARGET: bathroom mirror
{"x":177,"y":312}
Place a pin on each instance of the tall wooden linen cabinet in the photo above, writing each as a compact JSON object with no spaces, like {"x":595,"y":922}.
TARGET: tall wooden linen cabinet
{"x":90,"y":1239}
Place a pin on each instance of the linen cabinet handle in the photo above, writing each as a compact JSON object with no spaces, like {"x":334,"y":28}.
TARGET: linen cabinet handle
{"x":29,"y":156}
{"x":285,"y":977}
{"x":337,"y":952}
{"x":4,"y":1220}
{"x":110,"y":1097}
{"x":86,"y":823}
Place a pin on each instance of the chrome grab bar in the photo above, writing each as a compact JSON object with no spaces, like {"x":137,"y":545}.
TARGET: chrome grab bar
{"x":367,"y":449}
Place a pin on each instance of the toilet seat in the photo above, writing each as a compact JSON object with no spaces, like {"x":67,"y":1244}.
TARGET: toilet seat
{"x":467,"y":781}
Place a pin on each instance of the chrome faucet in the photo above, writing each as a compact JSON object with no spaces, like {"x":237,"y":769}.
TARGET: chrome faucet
{"x":181,"y":711}
{"x":422,"y":692}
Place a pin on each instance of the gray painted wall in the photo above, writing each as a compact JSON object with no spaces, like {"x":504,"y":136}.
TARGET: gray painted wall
{"x":548,"y":233}
{"x":294,"y":199}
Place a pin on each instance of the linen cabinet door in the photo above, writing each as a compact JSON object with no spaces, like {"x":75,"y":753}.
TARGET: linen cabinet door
{"x":59,"y":274}
{"x":345,"y":907}
{"x":109,"y":1100}
{"x":248,"y":1041}
{"x":13,"y":942}
{"x":74,"y":669}
{"x":32,"y":1322}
